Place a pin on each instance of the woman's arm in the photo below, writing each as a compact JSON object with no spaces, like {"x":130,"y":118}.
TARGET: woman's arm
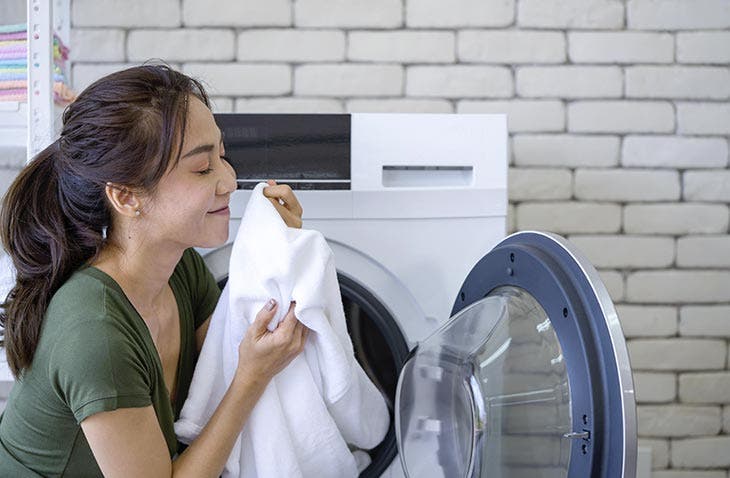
{"x":129,"y":441}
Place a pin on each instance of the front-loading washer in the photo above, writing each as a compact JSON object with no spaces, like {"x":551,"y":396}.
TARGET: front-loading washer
{"x":457,"y":329}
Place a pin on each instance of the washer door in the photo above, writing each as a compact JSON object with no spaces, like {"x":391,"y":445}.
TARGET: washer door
{"x":529,"y":377}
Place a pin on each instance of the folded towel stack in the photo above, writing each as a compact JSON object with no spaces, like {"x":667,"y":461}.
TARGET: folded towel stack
{"x":14,"y":66}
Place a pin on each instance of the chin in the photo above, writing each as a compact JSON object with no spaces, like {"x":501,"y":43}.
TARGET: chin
{"x":212,"y":241}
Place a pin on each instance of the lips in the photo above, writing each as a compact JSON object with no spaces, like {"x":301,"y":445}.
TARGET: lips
{"x":219,"y":211}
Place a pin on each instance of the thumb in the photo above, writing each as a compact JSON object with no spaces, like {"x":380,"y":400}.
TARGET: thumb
{"x":264,"y":316}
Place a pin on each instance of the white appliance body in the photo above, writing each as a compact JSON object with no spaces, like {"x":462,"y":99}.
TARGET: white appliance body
{"x":427,"y":198}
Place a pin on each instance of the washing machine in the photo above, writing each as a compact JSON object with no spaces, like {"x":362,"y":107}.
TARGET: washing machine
{"x":498,"y":357}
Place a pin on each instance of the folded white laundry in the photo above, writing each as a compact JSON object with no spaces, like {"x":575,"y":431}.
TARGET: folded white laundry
{"x":323,"y":400}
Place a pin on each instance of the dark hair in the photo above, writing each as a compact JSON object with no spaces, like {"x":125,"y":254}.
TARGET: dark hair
{"x":121,"y":129}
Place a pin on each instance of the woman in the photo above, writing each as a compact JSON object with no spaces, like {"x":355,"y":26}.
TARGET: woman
{"x":111,"y":303}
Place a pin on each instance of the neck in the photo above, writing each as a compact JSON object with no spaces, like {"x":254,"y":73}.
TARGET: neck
{"x":141,"y":266}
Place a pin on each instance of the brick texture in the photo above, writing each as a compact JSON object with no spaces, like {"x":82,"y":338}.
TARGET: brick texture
{"x":619,"y":121}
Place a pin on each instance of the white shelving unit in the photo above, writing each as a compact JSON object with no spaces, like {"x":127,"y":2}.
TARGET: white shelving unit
{"x":34,"y":124}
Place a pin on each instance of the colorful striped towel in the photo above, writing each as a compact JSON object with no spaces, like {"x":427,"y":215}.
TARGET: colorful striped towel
{"x":13,"y":36}
{"x":13,"y":43}
{"x":24,"y":76}
{"x":14,"y":63}
{"x":18,"y":27}
{"x":13,"y":55}
{"x":13,"y":84}
{"x":61,"y":94}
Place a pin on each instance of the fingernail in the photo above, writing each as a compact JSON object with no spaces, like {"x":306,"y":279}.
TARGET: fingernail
{"x":270,"y":304}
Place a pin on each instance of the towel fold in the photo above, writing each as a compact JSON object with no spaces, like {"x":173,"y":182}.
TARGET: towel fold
{"x":14,"y":28}
{"x":5,"y":76}
{"x":14,"y":36}
{"x":323,"y":401}
{"x":62,"y":94}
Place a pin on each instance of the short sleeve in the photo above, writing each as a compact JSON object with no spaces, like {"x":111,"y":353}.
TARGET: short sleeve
{"x":95,"y":367}
{"x":204,"y":288}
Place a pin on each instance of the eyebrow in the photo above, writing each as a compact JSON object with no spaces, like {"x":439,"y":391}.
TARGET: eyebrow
{"x":203,"y":148}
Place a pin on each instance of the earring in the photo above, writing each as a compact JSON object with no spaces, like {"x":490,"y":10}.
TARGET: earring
{"x":136,"y":212}
{"x":103,"y":232}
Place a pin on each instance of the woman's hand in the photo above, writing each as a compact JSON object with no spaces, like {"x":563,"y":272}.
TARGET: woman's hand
{"x":283,"y":199}
{"x":262,"y":353}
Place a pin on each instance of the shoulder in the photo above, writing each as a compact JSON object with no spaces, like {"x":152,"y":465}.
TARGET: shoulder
{"x":88,"y":295}
{"x":89,"y":318}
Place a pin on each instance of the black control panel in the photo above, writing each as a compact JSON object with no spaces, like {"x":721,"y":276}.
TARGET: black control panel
{"x":305,"y":151}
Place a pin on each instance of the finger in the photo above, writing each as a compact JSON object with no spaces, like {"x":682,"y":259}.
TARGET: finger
{"x":264,"y":317}
{"x":284,"y":193}
{"x":290,"y":321}
{"x":305,"y":334}
{"x":289,"y":218}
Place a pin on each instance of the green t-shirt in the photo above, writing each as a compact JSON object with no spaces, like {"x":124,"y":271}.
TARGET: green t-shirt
{"x":96,"y":354}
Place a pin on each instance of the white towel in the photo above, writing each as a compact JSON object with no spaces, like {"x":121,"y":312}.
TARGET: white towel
{"x":323,"y":400}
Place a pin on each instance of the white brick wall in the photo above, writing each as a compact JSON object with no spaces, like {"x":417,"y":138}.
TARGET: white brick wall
{"x":348,"y":80}
{"x":659,"y":452}
{"x":619,"y":115}
{"x":525,"y":184}
{"x":678,"y":420}
{"x":621,"y":47}
{"x":522,"y":115}
{"x":677,"y":218}
{"x":655,"y":387}
{"x":677,"y":354}
{"x":647,"y":320}
{"x":678,"y":14}
{"x":185,"y":44}
{"x":701,"y":452}
{"x":566,"y":150}
{"x":346,"y":13}
{"x":636,"y":185}
{"x":703,"y":47}
{"x":569,"y":81}
{"x":704,"y":387}
{"x":459,"y":81}
{"x":402,"y":46}
{"x":699,"y":82}
{"x":242,"y":79}
{"x":703,"y":118}
{"x":512,"y":46}
{"x":623,"y":252}
{"x":267,"y":45}
{"x":134,"y":14}
{"x":711,"y":186}
{"x":705,"y":320}
{"x":674,"y":152}
{"x":459,"y":13}
{"x":243,"y":13}
{"x":97,"y":44}
{"x":592,"y":14}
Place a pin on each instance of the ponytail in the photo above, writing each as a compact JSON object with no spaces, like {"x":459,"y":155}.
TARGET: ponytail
{"x":36,"y":234}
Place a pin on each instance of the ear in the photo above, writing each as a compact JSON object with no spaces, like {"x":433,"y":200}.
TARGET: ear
{"x":125,"y":201}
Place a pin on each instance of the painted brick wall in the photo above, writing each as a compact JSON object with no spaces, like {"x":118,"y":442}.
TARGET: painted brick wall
{"x":619,"y":114}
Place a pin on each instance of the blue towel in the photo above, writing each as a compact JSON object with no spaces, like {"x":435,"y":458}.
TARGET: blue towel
{"x":16,"y":63}
{"x":23,"y":76}
{"x":18,"y":27}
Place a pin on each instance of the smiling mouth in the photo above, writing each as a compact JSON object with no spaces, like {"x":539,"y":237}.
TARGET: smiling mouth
{"x":223,"y":209}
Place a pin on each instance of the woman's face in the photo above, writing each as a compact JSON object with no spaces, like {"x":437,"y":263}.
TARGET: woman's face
{"x":189,"y":206}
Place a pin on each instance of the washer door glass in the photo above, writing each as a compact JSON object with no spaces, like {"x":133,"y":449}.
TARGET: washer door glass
{"x":488,"y":391}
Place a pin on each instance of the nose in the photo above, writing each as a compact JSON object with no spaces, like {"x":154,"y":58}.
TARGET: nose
{"x":227,"y":181}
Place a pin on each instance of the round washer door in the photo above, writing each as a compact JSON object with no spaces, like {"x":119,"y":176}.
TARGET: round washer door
{"x":529,"y":377}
